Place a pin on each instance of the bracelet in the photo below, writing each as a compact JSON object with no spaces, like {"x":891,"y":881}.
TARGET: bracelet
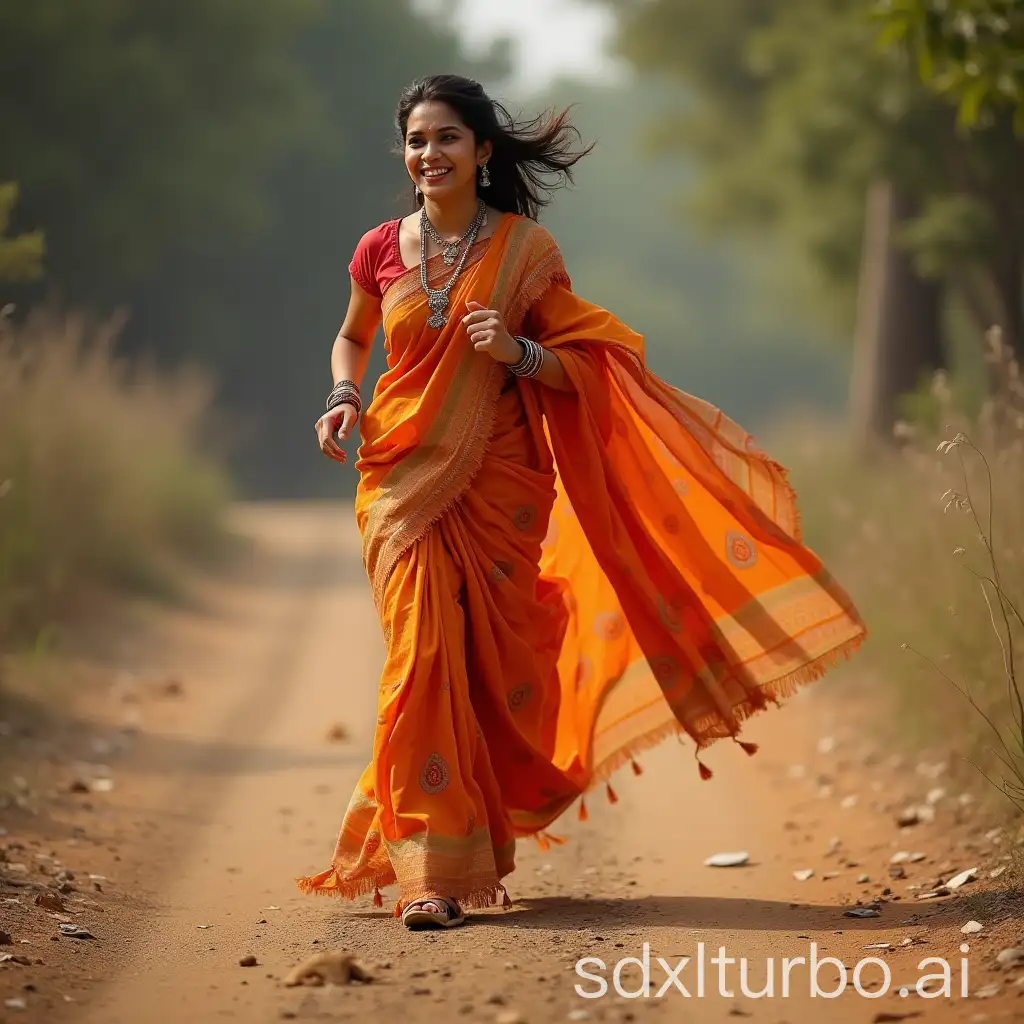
{"x":532,"y":361}
{"x":345,"y":392}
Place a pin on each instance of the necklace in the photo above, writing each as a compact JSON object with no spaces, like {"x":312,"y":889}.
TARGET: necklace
{"x":449,"y":250}
{"x":438,"y":298}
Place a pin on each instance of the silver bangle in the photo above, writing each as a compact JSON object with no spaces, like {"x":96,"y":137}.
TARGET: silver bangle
{"x":532,"y":361}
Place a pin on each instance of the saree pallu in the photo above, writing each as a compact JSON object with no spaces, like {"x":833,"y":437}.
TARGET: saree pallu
{"x":563,"y":578}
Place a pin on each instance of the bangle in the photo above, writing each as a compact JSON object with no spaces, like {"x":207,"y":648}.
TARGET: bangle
{"x":345,"y":392}
{"x":532,"y":361}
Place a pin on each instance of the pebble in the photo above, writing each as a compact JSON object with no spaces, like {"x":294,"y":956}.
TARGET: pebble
{"x":962,"y":879}
{"x":248,"y":961}
{"x":727,"y":860}
{"x":15,"y":1004}
{"x":988,"y":992}
{"x":510,"y":1017}
{"x":1009,"y":958}
{"x":579,"y":1015}
{"x":803,"y":874}
{"x":971,"y":928}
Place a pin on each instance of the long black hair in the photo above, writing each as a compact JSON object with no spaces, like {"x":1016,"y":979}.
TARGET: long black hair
{"x":526,"y":155}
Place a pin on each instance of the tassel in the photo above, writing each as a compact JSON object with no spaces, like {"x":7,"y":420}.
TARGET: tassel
{"x":378,"y":900}
{"x":637,"y":770}
{"x":583,"y":816}
{"x":557,"y":840}
{"x":749,"y":748}
{"x":612,"y":798}
{"x":505,"y":902}
{"x":397,"y":912}
{"x":705,"y":771}
{"x":542,"y":842}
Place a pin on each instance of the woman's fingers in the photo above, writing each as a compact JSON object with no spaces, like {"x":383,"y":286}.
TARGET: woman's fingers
{"x":325,"y":427}
{"x":482,"y":316}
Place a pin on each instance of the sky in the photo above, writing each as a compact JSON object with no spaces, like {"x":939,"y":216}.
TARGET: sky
{"x":551,"y":37}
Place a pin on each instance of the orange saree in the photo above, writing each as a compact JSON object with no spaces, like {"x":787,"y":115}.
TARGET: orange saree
{"x":562,"y":578}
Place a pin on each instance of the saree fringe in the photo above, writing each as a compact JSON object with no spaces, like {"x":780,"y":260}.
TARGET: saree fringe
{"x":709,"y":726}
{"x":347,"y":889}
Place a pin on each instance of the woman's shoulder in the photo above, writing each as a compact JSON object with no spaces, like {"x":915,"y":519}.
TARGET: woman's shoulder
{"x":379,"y":237}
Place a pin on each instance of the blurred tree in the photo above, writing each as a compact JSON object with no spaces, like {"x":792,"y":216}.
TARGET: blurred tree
{"x":21,"y":257}
{"x":803,"y":125}
{"x":134,"y":126}
{"x":971,"y":50}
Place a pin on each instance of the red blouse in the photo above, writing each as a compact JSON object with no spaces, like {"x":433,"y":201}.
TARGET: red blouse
{"x":377,"y":261}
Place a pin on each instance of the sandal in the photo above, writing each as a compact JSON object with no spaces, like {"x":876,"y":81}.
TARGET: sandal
{"x":432,"y":912}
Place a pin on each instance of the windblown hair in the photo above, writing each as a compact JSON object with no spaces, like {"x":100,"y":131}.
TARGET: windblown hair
{"x":527,"y":154}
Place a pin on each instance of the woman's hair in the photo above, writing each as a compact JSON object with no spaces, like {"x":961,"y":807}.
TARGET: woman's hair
{"x":526,"y":153}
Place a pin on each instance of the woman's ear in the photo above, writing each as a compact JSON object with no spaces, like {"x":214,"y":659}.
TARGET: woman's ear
{"x":485,"y":151}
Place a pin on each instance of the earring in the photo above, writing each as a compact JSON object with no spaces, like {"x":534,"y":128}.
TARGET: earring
{"x":416,"y":188}
{"x":485,"y":177}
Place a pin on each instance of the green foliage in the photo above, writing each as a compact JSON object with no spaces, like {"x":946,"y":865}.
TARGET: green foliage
{"x":795,"y":110}
{"x":969,"y":50}
{"x":103,"y":475}
{"x":21,"y":257}
{"x":133,"y":128}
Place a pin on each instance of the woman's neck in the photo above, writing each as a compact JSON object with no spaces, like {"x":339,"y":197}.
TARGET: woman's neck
{"x":453,"y":216}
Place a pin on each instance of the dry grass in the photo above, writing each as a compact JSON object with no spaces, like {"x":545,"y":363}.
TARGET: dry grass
{"x":102,"y":479}
{"x":930,"y":543}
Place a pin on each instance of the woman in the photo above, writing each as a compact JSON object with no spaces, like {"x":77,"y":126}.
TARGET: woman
{"x":571,"y":559}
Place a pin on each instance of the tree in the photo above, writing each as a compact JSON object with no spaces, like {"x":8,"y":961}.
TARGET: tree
{"x":134,"y":127}
{"x":801,"y":123}
{"x":970,"y":50}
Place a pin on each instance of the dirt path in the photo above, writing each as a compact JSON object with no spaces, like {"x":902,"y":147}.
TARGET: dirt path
{"x":235,"y":789}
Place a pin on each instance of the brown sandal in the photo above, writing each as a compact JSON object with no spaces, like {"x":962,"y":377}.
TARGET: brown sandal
{"x":432,"y":912}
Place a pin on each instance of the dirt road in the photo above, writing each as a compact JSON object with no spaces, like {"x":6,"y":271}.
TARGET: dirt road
{"x":234,"y":788}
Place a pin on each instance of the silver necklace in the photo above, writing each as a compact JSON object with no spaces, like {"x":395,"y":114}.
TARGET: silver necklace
{"x":438,"y":298}
{"x":449,"y":250}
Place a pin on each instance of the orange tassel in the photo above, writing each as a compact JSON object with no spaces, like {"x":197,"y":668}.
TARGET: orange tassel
{"x":542,"y":842}
{"x":378,"y":900}
{"x":557,"y":840}
{"x":397,"y":912}
{"x":506,"y":902}
{"x":637,"y":770}
{"x":705,"y":771}
{"x":750,"y":748}
{"x":612,"y":798}
{"x":584,"y":816}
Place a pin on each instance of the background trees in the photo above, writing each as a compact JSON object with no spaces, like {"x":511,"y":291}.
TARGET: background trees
{"x":805,"y":125}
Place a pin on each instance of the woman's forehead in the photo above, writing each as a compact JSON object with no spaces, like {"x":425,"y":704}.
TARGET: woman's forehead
{"x":433,"y":117}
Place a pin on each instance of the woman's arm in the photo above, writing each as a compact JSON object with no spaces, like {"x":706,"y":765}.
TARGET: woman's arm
{"x":351,"y":352}
{"x":350,"y":355}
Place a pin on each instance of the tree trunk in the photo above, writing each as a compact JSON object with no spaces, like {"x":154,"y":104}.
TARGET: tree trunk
{"x":898,"y":338}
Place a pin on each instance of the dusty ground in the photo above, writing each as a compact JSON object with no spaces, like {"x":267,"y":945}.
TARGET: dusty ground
{"x":214,"y":724}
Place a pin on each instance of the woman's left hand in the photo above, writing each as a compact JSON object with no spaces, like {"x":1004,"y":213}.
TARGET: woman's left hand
{"x":488,"y":333}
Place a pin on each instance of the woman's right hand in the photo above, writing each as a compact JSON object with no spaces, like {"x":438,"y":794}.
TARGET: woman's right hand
{"x":342,"y":418}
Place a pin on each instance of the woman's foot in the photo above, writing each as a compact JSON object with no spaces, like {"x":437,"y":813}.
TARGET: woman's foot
{"x":432,"y":912}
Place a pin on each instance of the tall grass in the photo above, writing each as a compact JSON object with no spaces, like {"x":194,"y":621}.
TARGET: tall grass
{"x":930,"y":542}
{"x":103,"y":477}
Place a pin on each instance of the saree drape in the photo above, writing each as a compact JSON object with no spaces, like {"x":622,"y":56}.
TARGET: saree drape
{"x":563,"y":578}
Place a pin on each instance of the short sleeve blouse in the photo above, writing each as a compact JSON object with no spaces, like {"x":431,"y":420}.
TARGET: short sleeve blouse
{"x":377,"y":261}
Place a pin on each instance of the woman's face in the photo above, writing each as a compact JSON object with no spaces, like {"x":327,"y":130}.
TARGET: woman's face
{"x":441,"y":153}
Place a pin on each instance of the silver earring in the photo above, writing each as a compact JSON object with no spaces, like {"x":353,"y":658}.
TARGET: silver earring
{"x":485,"y":177}
{"x":419,"y":194}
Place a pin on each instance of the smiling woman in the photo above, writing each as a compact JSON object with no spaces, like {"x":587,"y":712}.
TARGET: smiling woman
{"x":571,"y":560}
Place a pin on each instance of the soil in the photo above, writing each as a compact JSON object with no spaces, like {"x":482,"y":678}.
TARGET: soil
{"x":232,"y":728}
